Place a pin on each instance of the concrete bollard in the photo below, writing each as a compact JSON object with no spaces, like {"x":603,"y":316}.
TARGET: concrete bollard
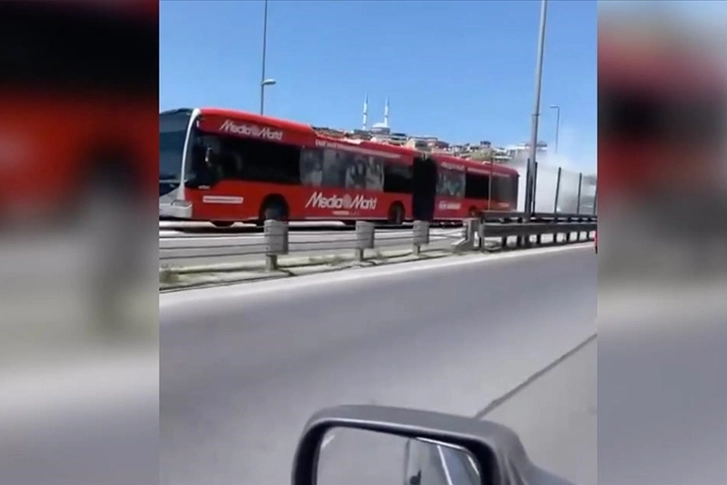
{"x":420,"y":236}
{"x":365,"y":238}
{"x":481,"y":236}
{"x":276,"y":242}
{"x":470,"y":229}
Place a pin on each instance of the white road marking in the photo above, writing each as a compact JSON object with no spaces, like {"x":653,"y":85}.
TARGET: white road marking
{"x":281,"y":286}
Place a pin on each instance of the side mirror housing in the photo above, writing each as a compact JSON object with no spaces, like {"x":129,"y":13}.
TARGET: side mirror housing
{"x":374,"y":438}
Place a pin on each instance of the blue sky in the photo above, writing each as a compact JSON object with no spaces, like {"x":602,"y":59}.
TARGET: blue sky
{"x":459,"y":70}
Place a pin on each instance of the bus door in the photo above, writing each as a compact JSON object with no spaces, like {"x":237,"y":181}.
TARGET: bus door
{"x":213,"y":193}
{"x":424,"y":188}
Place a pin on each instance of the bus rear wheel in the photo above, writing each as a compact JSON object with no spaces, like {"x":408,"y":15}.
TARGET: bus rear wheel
{"x":396,"y":214}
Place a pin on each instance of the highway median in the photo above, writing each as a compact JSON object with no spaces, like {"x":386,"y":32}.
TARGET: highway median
{"x":181,"y":278}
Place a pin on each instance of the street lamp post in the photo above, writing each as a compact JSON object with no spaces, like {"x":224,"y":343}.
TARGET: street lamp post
{"x":557,"y":123}
{"x":263,"y":85}
{"x":530,"y":176}
{"x":263,"y":80}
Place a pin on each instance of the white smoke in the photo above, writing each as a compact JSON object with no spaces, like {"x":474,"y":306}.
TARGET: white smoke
{"x":574,"y":157}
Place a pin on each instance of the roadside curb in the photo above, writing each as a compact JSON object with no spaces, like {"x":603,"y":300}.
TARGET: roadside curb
{"x":228,"y":276}
{"x":287,"y":262}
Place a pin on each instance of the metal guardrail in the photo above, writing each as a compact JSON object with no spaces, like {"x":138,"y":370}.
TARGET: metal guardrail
{"x":508,"y":224}
{"x":276,"y":238}
{"x":192,"y":249}
{"x":537,"y":217}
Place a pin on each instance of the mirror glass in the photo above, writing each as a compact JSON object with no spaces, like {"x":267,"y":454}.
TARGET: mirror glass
{"x":358,"y":457}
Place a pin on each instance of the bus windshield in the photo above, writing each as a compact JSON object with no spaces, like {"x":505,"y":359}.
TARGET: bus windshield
{"x":173,"y":127}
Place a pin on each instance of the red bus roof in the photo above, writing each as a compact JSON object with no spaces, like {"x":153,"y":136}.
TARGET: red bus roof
{"x":475,"y":166}
{"x":302,"y":129}
{"x":278,"y":123}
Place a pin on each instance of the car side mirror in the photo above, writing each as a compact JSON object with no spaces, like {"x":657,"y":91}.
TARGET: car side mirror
{"x":379,"y":444}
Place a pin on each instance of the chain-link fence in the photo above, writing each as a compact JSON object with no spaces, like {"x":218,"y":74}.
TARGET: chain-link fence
{"x":560,"y":190}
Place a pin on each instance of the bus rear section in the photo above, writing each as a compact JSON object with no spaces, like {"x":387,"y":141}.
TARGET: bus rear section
{"x":466,"y":188}
{"x":226,"y":166}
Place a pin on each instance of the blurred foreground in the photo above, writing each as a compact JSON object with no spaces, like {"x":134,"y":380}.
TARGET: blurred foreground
{"x":663,"y":247}
{"x":78,"y":292}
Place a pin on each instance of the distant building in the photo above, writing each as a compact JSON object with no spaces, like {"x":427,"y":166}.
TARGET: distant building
{"x":521,"y":151}
{"x":480,"y":151}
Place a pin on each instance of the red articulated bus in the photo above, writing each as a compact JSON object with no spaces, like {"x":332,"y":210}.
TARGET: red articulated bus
{"x":228,"y":166}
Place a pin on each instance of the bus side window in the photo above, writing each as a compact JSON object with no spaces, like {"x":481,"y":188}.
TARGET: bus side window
{"x":500,"y":187}
{"x":477,"y":186}
{"x":355,"y":172}
{"x":254,"y":160}
{"x":398,"y":177}
{"x":514,"y":186}
{"x":264,"y":161}
{"x":442,"y":183}
{"x":451,"y":183}
{"x":374,"y":174}
{"x":198,"y":156}
{"x":311,"y":167}
{"x":505,"y":189}
{"x":334,"y":169}
{"x":199,"y":172}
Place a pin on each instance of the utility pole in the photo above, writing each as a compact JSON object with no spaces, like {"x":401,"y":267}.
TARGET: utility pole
{"x":530,"y":177}
{"x":264,"y":56}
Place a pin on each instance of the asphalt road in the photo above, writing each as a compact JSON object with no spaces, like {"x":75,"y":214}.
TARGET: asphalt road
{"x":559,"y":434}
{"x":243,"y":367}
{"x":560,"y":437}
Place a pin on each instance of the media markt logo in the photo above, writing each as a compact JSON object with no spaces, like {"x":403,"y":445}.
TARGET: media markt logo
{"x":254,"y":131}
{"x":320,"y":201}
